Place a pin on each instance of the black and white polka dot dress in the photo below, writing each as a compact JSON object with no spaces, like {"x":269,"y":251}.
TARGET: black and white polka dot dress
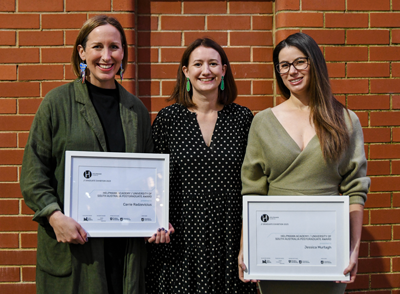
{"x":205,"y":203}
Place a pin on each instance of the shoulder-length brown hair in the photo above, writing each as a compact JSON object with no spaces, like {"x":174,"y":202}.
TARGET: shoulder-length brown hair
{"x":326,"y":112}
{"x":87,"y":28}
{"x":225,"y":97}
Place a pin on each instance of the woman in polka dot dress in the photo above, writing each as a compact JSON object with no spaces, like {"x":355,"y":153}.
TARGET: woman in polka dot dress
{"x":206,"y":136}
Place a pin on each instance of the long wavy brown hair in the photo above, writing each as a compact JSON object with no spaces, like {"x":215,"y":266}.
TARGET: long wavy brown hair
{"x":327,"y":113}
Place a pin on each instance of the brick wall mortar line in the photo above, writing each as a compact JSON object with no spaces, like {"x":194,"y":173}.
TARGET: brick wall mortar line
{"x":196,"y":30}
{"x":391,"y":36}
{"x":20,"y":207}
{"x":20,"y":273}
{"x":369,"y":86}
{"x":17,"y":283}
{"x":18,"y":249}
{"x":369,"y":20}
{"x":207,"y":14}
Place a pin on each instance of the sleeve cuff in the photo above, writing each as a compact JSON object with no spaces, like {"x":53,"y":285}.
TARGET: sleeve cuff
{"x":357,"y":199}
{"x":41,"y":215}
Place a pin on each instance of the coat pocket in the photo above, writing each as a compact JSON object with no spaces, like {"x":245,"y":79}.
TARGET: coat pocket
{"x":53,"y":257}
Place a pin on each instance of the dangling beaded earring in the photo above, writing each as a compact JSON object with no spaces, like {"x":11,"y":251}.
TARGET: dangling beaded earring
{"x":83,"y":66}
{"x":187,"y":84}
{"x":121,"y":72}
{"x":222,"y":83}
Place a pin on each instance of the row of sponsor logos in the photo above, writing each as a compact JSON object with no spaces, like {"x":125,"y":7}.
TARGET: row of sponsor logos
{"x":143,"y":219}
{"x":294,"y":261}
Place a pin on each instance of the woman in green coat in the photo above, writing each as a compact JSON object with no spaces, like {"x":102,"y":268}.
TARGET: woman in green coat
{"x":93,"y":113}
{"x":308,"y":145}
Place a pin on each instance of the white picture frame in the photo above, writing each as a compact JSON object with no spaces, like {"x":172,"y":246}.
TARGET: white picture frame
{"x":296,"y":238}
{"x":113,"y":194}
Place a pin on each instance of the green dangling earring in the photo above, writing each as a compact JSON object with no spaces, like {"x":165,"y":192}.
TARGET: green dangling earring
{"x":222,"y":83}
{"x":187,"y":84}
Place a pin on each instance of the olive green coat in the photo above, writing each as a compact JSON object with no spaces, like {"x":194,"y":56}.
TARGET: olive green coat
{"x":67,"y":120}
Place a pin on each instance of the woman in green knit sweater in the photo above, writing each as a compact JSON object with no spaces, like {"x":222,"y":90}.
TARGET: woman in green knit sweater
{"x":308,"y":145}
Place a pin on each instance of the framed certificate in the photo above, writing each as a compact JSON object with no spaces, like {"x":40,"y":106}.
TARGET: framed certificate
{"x":303,"y":238}
{"x":117,"y":194}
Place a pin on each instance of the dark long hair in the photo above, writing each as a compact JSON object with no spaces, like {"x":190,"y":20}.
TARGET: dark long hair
{"x":87,"y":28}
{"x":326,"y":112}
{"x":225,"y":97}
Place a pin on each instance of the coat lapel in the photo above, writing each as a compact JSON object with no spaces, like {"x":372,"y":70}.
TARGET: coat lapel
{"x":89,"y":112}
{"x":129,"y":120}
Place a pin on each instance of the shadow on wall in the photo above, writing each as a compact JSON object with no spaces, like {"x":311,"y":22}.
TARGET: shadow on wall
{"x":371,"y":261}
{"x":143,"y":57}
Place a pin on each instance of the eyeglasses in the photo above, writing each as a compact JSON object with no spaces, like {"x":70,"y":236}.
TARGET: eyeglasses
{"x":299,"y":64}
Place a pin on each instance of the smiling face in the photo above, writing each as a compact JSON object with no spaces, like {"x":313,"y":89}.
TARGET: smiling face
{"x":103,"y":55}
{"x":205,"y":71}
{"x":297,"y":81}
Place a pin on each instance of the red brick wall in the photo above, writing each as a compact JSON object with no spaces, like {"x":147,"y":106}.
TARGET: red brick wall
{"x":360,"y":40}
{"x":244,"y":28}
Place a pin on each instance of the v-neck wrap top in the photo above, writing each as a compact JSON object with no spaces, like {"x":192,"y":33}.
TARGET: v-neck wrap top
{"x":275,"y":165}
